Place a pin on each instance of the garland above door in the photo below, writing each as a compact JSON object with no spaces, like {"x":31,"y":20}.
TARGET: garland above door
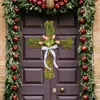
{"x":86,"y":10}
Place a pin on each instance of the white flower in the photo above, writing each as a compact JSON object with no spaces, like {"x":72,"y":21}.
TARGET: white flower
{"x":48,"y":44}
{"x":53,"y":37}
{"x":57,"y":41}
{"x":40,"y":42}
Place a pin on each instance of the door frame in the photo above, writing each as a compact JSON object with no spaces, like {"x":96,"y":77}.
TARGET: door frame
{"x":12,"y":16}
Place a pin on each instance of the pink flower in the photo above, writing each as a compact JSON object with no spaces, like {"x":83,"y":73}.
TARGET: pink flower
{"x":40,"y":42}
{"x":57,"y":41}
{"x":45,"y":37}
{"x":53,"y":37}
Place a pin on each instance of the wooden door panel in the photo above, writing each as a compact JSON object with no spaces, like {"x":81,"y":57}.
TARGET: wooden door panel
{"x":64,"y":73}
{"x":67,"y":98}
{"x":66,"y":21}
{"x":31,"y":23}
{"x":32,"y":64}
{"x":33,"y":89}
{"x":31,"y":53}
{"x":28,"y":74}
{"x":33,"y":97}
{"x":68,"y":89}
{"x":67,"y":54}
{"x":34,"y":85}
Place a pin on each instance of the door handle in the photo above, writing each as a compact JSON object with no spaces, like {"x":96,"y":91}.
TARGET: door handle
{"x":54,"y":90}
{"x":62,"y":89}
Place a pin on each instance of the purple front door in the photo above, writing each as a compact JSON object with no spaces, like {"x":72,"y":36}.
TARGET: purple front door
{"x":65,"y":85}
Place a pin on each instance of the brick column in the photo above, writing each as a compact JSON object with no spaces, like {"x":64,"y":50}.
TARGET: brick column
{"x":2,"y":50}
{"x":96,"y":34}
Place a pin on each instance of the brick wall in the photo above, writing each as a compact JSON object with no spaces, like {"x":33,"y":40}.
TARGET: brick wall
{"x":96,"y":49}
{"x":96,"y":35}
{"x":2,"y":50}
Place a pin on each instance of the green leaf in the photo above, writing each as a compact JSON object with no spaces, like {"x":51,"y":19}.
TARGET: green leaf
{"x":33,"y":43}
{"x":66,"y":44}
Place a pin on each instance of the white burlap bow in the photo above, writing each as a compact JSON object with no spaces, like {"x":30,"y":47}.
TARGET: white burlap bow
{"x":52,"y":52}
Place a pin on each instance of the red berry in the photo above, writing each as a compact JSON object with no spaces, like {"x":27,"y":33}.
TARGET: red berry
{"x":82,"y":11}
{"x":16,"y":10}
{"x":14,"y":77}
{"x":84,"y":67}
{"x":85,"y":97}
{"x":34,"y":1}
{"x":29,"y":0}
{"x":43,"y":6}
{"x":85,"y":78}
{"x":57,"y":5}
{"x":84,"y":58}
{"x":61,"y":3}
{"x":83,"y":39}
{"x":15,"y":56}
{"x":85,"y":88}
{"x":14,"y":97}
{"x":14,"y":1}
{"x":14,"y":67}
{"x":16,"y":20}
{"x":39,"y":2}
{"x":82,"y":20}
{"x":15,"y":47}
{"x":82,"y":31}
{"x":84,"y":48}
{"x":15,"y":28}
{"x":81,"y":2}
{"x":43,"y":1}
{"x":15,"y":39}
{"x":14,"y":87}
{"x":66,"y":1}
{"x":56,"y":0}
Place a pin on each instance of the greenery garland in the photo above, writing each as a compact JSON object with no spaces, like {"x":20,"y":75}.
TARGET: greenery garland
{"x":85,"y":16}
{"x":61,"y":6}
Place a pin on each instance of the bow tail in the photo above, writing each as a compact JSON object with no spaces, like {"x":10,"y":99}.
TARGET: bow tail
{"x":45,"y":56}
{"x":54,"y":61}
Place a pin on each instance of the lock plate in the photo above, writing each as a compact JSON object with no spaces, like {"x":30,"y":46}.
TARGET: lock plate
{"x":54,"y":90}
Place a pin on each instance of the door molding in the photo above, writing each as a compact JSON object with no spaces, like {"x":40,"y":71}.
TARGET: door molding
{"x":85,"y":14}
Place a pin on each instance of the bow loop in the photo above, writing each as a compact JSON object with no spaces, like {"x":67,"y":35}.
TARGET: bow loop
{"x":52,"y":52}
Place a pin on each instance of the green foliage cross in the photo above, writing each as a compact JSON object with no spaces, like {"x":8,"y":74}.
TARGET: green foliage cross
{"x":49,"y":40}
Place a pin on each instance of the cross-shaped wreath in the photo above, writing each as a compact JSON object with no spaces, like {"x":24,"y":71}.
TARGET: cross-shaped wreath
{"x":48,"y":43}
